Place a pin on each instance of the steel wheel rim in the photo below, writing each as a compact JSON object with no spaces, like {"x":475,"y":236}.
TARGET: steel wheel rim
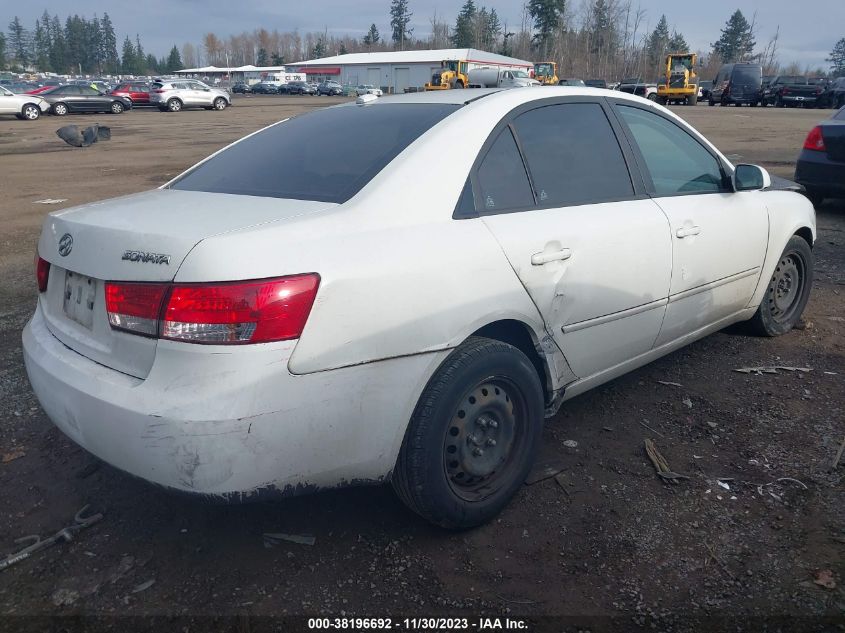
{"x":786,"y":287}
{"x":485,"y":434}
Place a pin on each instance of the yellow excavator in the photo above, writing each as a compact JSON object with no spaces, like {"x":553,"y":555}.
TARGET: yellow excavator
{"x":681,"y":82}
{"x":546,"y":73}
{"x":452,"y":74}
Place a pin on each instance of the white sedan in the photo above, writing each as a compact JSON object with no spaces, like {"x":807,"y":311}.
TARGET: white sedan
{"x":368,"y":90}
{"x":23,"y":106}
{"x":411,"y":315}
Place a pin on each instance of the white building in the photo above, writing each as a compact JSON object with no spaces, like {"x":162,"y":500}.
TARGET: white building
{"x":398,"y":71}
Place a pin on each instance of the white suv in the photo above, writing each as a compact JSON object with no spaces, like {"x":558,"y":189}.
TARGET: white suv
{"x":23,"y":106}
{"x":178,"y":94}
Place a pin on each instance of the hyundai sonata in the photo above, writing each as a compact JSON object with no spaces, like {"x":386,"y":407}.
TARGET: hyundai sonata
{"x":280,"y":318}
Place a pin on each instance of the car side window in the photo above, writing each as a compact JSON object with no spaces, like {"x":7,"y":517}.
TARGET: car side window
{"x":573,"y":155}
{"x":88,"y":91}
{"x":502,"y":181}
{"x":676,"y":162}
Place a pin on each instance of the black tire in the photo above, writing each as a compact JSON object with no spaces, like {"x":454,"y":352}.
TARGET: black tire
{"x":451,"y":469}
{"x":779,"y":102}
{"x":174,"y":105}
{"x":30,"y":112}
{"x":652,"y":96}
{"x":788,"y":290}
{"x":117,"y":107}
{"x":220,"y":103}
{"x":710,"y":102}
{"x":60,"y":109}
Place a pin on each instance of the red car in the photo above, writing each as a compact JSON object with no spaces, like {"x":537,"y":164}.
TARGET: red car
{"x":38,"y":91}
{"x":137,"y":92}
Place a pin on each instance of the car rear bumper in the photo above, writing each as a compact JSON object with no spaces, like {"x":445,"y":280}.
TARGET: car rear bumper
{"x":229,"y":423}
{"x":820,"y":174}
{"x":798,"y":100}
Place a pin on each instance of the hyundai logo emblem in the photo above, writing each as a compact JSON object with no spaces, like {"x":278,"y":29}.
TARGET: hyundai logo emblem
{"x":65,"y":245}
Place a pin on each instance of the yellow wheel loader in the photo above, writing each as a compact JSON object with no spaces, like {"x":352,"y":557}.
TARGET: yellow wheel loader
{"x":680,"y":84}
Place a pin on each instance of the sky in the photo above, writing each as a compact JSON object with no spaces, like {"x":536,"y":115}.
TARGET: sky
{"x":808,"y":28}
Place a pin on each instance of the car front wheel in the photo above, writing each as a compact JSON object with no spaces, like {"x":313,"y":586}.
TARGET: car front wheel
{"x":30,"y":112}
{"x":473,"y":436}
{"x":788,"y":290}
{"x":60,"y":109}
{"x":174,"y":105}
{"x":117,"y":107}
{"x":220,"y":103}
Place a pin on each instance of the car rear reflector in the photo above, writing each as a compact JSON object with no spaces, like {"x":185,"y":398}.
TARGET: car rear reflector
{"x":135,"y":307}
{"x":240,"y":312}
{"x":42,"y":272}
{"x":226,"y":313}
{"x":815,"y":140}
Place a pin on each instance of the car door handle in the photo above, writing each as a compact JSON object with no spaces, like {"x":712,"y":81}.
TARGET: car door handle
{"x":544,"y":257}
{"x":688,"y":231}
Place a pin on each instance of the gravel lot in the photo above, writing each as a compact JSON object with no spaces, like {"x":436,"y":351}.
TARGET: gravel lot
{"x":606,"y":543}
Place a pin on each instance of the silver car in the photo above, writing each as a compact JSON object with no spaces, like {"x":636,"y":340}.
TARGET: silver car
{"x":178,"y":94}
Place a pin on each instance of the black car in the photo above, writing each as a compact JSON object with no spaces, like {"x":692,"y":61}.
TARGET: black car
{"x":265,"y":89}
{"x":705,"y":87}
{"x":832,"y":96}
{"x":595,"y":83}
{"x":737,"y":84}
{"x":300,"y":88}
{"x":791,"y":90}
{"x":821,"y":164}
{"x":330,"y":88}
{"x":75,"y":98}
{"x":241,"y":88}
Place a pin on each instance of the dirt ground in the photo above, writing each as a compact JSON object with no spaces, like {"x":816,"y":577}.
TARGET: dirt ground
{"x":606,"y":545}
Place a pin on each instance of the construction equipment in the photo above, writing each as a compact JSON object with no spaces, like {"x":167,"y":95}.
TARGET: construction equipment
{"x":452,"y":74}
{"x":546,"y":73}
{"x":681,"y":82}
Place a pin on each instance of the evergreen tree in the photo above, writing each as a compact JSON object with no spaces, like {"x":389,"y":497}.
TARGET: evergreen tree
{"x":837,"y":59}
{"x":276,"y":59}
{"x":464,"y":34}
{"x":319,"y":50}
{"x":548,"y":19}
{"x":19,"y":42}
{"x":372,"y":36}
{"x":494,"y":29}
{"x":737,"y":40}
{"x":342,"y":49}
{"x":602,"y":33}
{"x":108,"y":46}
{"x":75,"y":40}
{"x":677,"y":43}
{"x":128,"y":61}
{"x":93,"y":48}
{"x":41,"y":45}
{"x":261,"y":58}
{"x":150,"y":64}
{"x":2,"y":50}
{"x":58,"y":58}
{"x":174,"y":60}
{"x":140,"y":56}
{"x":400,"y":17}
{"x":658,"y":43}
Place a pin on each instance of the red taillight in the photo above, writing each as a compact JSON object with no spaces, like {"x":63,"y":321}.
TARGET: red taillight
{"x":240,"y":312}
{"x":225,"y":313}
{"x":42,"y":272}
{"x":135,"y":307}
{"x":785,"y":91}
{"x":815,"y":140}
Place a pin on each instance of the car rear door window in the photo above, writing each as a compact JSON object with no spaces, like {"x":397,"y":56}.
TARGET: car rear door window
{"x":502,"y":182}
{"x":676,"y":162}
{"x":573,"y":155}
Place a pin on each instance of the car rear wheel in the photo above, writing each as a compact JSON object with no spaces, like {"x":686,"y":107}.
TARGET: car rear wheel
{"x":220,"y":103}
{"x":30,"y":112}
{"x":473,"y":436}
{"x":59,"y":109}
{"x":174,"y":105}
{"x":788,"y":290}
{"x":117,"y":107}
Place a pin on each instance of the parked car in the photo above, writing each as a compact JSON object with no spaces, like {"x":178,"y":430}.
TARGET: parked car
{"x":136,"y":91}
{"x":47,"y":85}
{"x":791,"y":90}
{"x":636,"y":86}
{"x":821,"y":164}
{"x":241,"y":88}
{"x":330,"y":88}
{"x":69,"y":98}
{"x":23,"y":106}
{"x":20,"y":87}
{"x":300,"y":88}
{"x":264,"y":88}
{"x":238,"y":354}
{"x":571,"y":82}
{"x":834,"y":94}
{"x":176,"y":95}
{"x":367,"y":89}
{"x":704,"y":88}
{"x":596,"y":83}
{"x":737,"y":84}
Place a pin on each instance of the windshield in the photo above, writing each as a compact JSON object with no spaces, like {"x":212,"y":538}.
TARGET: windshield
{"x":543,"y":69}
{"x":521,"y":74}
{"x":3,"y":91}
{"x":283,"y":161}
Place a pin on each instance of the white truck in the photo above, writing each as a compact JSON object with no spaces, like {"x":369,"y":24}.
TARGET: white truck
{"x":280,"y":79}
{"x":492,"y":77}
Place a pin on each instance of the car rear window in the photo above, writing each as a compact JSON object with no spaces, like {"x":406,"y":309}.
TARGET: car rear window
{"x":840,"y":116}
{"x":327,"y":155}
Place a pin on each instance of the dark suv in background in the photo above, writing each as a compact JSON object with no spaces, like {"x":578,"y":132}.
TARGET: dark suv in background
{"x":737,"y":84}
{"x":330,"y":88}
{"x":300,"y":88}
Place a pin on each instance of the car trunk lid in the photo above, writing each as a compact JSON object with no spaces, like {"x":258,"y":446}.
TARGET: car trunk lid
{"x":833,"y":133}
{"x":139,"y":238}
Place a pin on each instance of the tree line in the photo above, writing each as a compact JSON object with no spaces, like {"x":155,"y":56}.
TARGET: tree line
{"x":78,"y":45}
{"x":608,"y":39}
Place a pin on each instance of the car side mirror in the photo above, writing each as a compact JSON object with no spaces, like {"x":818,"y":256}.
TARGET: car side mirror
{"x":751,"y":178}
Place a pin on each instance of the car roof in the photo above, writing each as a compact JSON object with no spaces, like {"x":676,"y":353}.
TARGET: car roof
{"x":530,"y":93}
